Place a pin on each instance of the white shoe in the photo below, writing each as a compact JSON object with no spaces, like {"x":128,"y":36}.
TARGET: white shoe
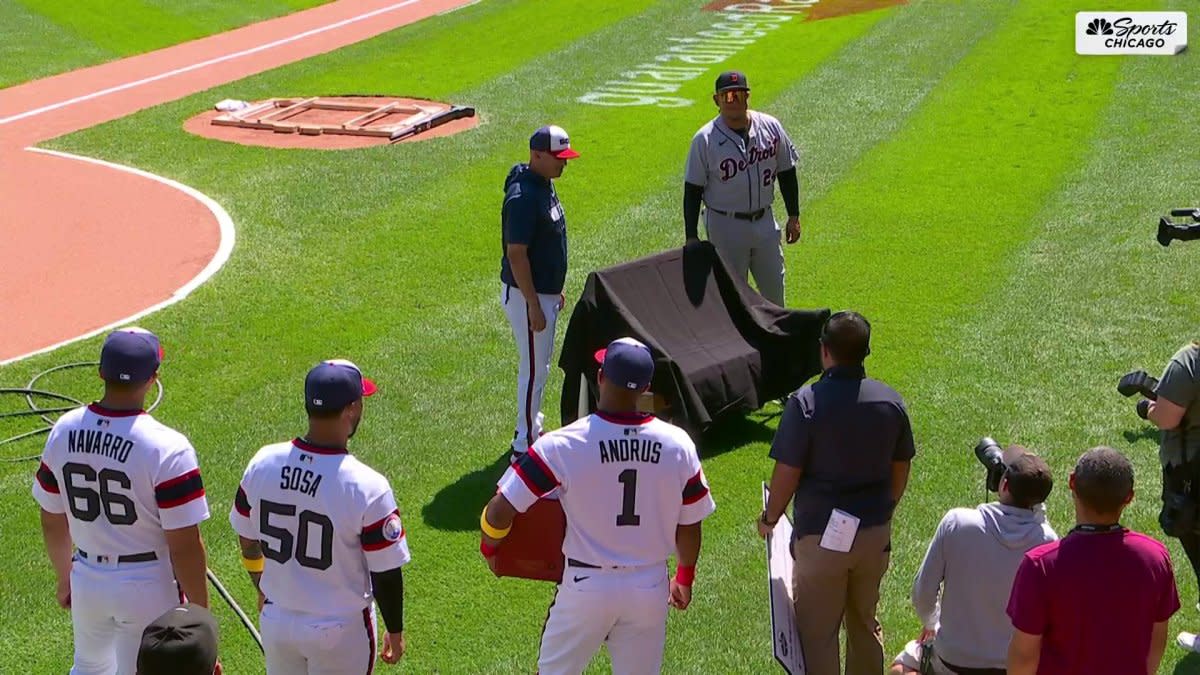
{"x":1189,"y":642}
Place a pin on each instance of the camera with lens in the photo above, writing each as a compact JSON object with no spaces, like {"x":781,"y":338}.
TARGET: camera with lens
{"x":1182,"y":230}
{"x":1139,"y":382}
{"x":989,"y":454}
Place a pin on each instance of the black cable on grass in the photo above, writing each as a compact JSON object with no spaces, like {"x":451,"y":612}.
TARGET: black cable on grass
{"x":30,"y":390}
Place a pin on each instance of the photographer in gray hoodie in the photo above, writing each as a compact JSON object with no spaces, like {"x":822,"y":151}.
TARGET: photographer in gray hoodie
{"x":970,"y":564}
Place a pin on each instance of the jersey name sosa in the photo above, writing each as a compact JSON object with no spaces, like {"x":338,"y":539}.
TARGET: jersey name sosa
{"x":731,"y":166}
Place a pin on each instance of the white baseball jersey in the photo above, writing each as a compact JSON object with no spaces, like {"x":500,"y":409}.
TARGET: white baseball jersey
{"x":122,"y":477}
{"x":325,"y":520}
{"x":625,"y":483}
{"x":738,"y":175}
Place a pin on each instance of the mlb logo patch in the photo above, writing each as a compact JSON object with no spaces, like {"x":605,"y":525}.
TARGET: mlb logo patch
{"x":103,"y":423}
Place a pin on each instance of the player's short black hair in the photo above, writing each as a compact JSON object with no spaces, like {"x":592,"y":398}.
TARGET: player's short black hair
{"x":119,"y":387}
{"x":323,"y":414}
{"x":1103,"y":480}
{"x":847,"y":336}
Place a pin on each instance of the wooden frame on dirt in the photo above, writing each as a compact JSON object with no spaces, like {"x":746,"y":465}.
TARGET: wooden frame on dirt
{"x":273,"y":115}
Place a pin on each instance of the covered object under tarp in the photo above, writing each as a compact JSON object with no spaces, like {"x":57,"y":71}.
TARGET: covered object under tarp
{"x":719,"y":347}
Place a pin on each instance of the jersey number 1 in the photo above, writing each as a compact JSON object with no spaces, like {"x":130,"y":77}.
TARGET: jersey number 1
{"x":307,"y":520}
{"x":627,"y":517}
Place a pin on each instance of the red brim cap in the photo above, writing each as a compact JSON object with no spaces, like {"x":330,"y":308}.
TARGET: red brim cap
{"x":566,"y":154}
{"x":369,"y":387}
{"x":600,"y":355}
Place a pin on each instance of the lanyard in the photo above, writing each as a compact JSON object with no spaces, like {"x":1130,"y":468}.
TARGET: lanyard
{"x":1098,"y":529}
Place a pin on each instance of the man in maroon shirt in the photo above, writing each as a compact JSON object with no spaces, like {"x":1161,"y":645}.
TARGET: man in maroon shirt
{"x":1097,"y":600}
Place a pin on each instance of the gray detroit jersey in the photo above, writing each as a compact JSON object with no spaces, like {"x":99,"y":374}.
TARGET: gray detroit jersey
{"x":739,"y":175}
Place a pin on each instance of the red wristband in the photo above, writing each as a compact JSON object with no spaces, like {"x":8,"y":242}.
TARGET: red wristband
{"x":487,"y":551}
{"x":684,"y":576}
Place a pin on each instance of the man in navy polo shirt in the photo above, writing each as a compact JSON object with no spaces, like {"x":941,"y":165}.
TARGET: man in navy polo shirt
{"x":533,"y":269}
{"x":843,"y":447}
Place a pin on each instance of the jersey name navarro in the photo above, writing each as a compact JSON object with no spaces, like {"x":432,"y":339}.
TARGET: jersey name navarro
{"x":96,"y":442}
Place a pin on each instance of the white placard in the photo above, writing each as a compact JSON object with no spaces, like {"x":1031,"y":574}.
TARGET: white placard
{"x":840,"y":532}
{"x":785,"y":639}
{"x":1131,"y":33}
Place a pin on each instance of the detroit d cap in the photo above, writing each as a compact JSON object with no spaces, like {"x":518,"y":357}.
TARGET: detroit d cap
{"x":627,"y":362}
{"x":183,"y":641}
{"x":335,"y":384}
{"x":554,"y":140}
{"x":732,"y":79}
{"x":130,"y":355}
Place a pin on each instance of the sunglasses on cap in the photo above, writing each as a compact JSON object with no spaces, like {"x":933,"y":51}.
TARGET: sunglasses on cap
{"x":733,"y":95}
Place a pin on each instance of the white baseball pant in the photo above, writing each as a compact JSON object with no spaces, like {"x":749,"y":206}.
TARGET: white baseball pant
{"x":111,"y":604}
{"x":296,"y":643}
{"x":623,"y":608}
{"x":750,"y":247}
{"x":534,"y":350}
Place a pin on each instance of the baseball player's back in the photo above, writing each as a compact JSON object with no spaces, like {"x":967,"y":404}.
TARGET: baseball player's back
{"x":633,"y":493}
{"x":123,"y":478}
{"x":322,"y":516}
{"x":125,"y":491}
{"x":625,"y":483}
{"x":322,"y":539}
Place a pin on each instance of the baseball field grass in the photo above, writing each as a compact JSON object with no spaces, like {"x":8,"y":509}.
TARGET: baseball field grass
{"x":982,"y":194}
{"x":46,"y":37}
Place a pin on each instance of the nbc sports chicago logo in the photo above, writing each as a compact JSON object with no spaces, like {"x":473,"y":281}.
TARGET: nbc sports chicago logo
{"x":1104,"y":33}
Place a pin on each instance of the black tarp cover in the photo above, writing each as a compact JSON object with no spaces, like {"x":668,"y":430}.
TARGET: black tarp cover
{"x":719,"y":347}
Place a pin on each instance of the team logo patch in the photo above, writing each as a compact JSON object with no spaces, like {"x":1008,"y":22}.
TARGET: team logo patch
{"x":392,"y":529}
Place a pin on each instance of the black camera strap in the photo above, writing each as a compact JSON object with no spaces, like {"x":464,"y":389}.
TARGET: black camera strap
{"x":1088,"y":528}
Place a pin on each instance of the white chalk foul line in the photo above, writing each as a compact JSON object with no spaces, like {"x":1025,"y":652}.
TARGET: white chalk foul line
{"x":205,"y":64}
{"x":224,"y":249}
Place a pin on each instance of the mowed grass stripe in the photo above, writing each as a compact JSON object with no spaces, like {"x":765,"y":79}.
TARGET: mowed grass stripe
{"x":54,"y":48}
{"x":431,"y":395}
{"x":1091,"y":296}
{"x":925,"y":229}
{"x":49,"y":36}
{"x":297,"y":321}
{"x":840,"y":112}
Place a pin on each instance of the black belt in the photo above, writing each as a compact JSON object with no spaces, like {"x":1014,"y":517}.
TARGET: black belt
{"x":571,"y":562}
{"x":741,"y":215}
{"x":135,"y":558}
{"x":963,"y":670}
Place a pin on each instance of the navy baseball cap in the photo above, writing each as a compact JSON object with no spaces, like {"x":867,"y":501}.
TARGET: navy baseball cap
{"x":553,"y":139}
{"x":335,"y":384}
{"x":627,"y":362}
{"x":130,"y":355}
{"x":183,"y":641}
{"x":732,"y":79}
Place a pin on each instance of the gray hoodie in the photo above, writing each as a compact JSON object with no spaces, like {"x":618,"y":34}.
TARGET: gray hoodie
{"x":972,"y":561}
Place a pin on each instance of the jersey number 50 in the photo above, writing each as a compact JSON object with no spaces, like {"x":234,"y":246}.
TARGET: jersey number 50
{"x":307,"y":520}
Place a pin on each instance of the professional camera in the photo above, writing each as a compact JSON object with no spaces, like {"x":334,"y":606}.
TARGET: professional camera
{"x":1138,"y":382}
{"x":1183,"y":230}
{"x":989,"y":454}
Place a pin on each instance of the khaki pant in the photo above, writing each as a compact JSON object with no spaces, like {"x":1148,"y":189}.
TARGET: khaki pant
{"x":831,"y":588}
